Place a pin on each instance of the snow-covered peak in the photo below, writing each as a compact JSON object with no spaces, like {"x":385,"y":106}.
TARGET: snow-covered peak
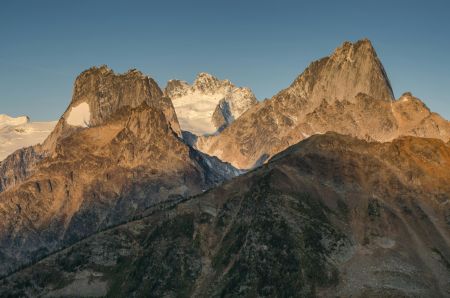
{"x":204,"y":76}
{"x":209,"y":84}
{"x":209,"y":104}
{"x":206,"y":82}
{"x":6,"y":120}
{"x":19,"y":132}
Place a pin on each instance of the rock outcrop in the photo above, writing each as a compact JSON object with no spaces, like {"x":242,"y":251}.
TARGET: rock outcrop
{"x":330,"y":216}
{"x":209,"y":105}
{"x":348,"y":93}
{"x":99,"y":94}
{"x":115,"y":152}
{"x":18,"y":166}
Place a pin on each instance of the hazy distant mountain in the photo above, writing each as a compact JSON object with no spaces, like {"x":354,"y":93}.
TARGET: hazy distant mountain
{"x":116,"y":151}
{"x":19,"y":132}
{"x":330,"y":216}
{"x":209,"y":105}
{"x":347,"y":92}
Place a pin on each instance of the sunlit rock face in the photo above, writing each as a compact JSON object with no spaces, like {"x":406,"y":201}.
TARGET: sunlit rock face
{"x":115,"y":152}
{"x":99,"y":94}
{"x":347,"y":92}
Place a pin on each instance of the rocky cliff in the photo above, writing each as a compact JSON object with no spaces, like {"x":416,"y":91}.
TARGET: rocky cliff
{"x":99,"y":94}
{"x":330,"y":216}
{"x":347,"y":92}
{"x":115,"y":152}
{"x":18,"y":166}
{"x":209,"y":105}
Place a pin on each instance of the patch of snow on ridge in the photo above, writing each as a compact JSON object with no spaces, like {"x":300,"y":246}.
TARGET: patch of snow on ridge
{"x":79,"y":115}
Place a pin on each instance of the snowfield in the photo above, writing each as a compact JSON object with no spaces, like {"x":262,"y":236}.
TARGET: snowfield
{"x":19,"y":132}
{"x":195,"y":110}
{"x":79,"y":115}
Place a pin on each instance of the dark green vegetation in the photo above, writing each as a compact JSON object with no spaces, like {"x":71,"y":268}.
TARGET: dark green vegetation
{"x":307,"y":224}
{"x":252,"y":246}
{"x":263,"y":254}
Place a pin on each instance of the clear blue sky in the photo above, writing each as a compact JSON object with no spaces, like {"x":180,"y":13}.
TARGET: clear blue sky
{"x":44,"y":45}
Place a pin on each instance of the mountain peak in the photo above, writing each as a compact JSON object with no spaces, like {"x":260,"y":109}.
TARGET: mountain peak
{"x":349,"y":49}
{"x":99,"y":94}
{"x":209,"y":104}
{"x":102,"y":69}
{"x":351,"y":69}
{"x":347,"y":92}
{"x":202,"y":75}
{"x":105,"y":91}
{"x":207,"y":82}
{"x":176,"y":88}
{"x":406,"y":95}
{"x":6,"y":120}
{"x":412,"y":105}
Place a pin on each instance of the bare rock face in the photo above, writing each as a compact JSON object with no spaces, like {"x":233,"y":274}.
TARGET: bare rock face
{"x":353,"y":68}
{"x":347,"y":92}
{"x":330,"y":216}
{"x":176,"y":88}
{"x":99,"y":93}
{"x":414,"y":118}
{"x":19,"y":147}
{"x":105,"y":163}
{"x":209,"y":105}
{"x":18,"y":166}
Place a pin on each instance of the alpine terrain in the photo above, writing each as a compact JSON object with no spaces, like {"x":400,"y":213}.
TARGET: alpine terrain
{"x":347,"y":92}
{"x":332,"y":188}
{"x":116,"y":151}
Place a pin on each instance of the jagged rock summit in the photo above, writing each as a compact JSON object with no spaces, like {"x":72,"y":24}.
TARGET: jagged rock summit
{"x":353,"y":68}
{"x":209,"y":104}
{"x":99,"y":94}
{"x":116,"y":151}
{"x":347,"y":92}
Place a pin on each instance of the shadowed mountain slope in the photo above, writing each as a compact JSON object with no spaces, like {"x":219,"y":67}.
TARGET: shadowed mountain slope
{"x":330,"y":216}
